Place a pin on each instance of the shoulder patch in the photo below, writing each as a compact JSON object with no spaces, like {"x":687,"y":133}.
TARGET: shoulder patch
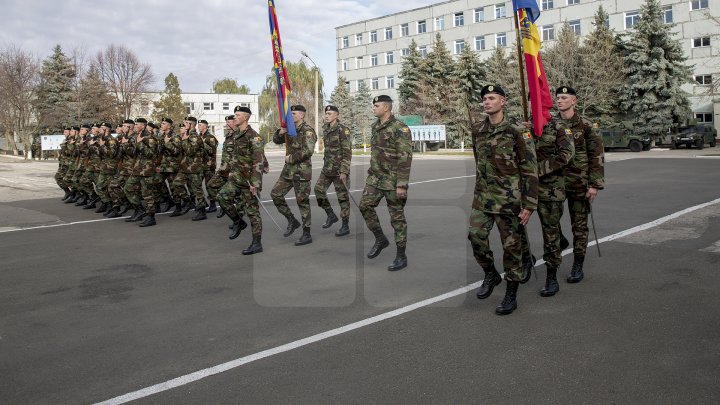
{"x":526,"y":136}
{"x":568,"y":131}
{"x":406,"y":130}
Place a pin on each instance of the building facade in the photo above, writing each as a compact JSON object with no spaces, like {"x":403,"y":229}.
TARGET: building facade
{"x":373,"y":50}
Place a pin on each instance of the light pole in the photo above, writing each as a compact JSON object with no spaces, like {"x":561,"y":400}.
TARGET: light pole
{"x":317,"y":84}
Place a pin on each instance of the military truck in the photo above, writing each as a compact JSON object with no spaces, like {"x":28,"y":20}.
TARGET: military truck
{"x":622,"y":137}
{"x":690,"y":135}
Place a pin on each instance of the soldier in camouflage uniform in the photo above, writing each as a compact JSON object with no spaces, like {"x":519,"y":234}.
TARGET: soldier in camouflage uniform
{"x":125,"y":138}
{"x":506,"y":191}
{"x":388,"y":177}
{"x":296,"y":173}
{"x":94,"y":163}
{"x":63,"y":165}
{"x":145,"y":165}
{"x":169,"y":155}
{"x":81,"y":164}
{"x":220,"y":177}
{"x":133,"y":185}
{"x":108,"y":150}
{"x":336,"y":169}
{"x":245,"y":166}
{"x":209,"y":164}
{"x":191,"y":173}
{"x":584,"y":176}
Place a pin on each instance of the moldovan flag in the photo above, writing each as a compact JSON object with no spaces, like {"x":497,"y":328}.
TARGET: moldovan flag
{"x":283,"y":82}
{"x":540,"y":99}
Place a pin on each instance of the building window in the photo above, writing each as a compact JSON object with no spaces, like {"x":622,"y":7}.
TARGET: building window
{"x":359,"y":62}
{"x":631,"y":19}
{"x":358,"y":83}
{"x":575,"y":26}
{"x":548,"y":33}
{"x":547,"y":4}
{"x":373,"y":60}
{"x":459,"y":20}
{"x":226,"y":106}
{"x":572,"y":2}
{"x":389,"y":58}
{"x":421,"y":27}
{"x":388,"y":33}
{"x":404,"y":30}
{"x":701,"y":42}
{"x":208,"y":106}
{"x":245,"y":105}
{"x":373,"y":37}
{"x":375,"y":83}
{"x":500,"y":11}
{"x":667,"y":16}
{"x":459,"y":46}
{"x":704,"y":79}
{"x":704,"y":118}
{"x":480,"y":43}
{"x":345,"y":65}
{"x":439,"y":23}
{"x":698,"y":4}
{"x":405,"y":51}
{"x":358,"y":39}
{"x":390,"y":82}
{"x":501,"y":40}
{"x":423,"y":51}
{"x":479,"y":14}
{"x":345,"y":42}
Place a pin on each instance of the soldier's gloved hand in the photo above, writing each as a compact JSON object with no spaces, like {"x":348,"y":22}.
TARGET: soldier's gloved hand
{"x":525,"y":216}
{"x":591,"y":194}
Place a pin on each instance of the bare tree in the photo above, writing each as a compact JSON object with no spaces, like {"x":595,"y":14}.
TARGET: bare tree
{"x":19,"y":76}
{"x":124,"y":74}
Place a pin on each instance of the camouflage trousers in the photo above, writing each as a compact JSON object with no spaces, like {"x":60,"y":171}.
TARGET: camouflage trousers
{"x":102,"y":185}
{"x":235,"y":190}
{"x":141,"y":188}
{"x":194,"y":183}
{"x":302,"y":196}
{"x":59,"y":177}
{"x":207,"y":175}
{"x":162,"y":192}
{"x":115,"y":189}
{"x":213,"y":186}
{"x":481,"y":223}
{"x":578,"y":207}
{"x":341,"y":189}
{"x":87,"y":180}
{"x":396,"y":207}
{"x":550,"y":213}
{"x":71,"y":179}
{"x":133,"y":190}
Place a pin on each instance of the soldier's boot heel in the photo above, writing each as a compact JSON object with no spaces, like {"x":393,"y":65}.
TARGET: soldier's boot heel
{"x":67,"y":194}
{"x":576,"y":273}
{"x":492,"y":279}
{"x":331,"y":219}
{"x":149,"y":221}
{"x":113,"y":213}
{"x":212,"y":207}
{"x":400,"y":261}
{"x":344,"y":229}
{"x":103,"y":207}
{"x":509,"y":303}
{"x":381,"y":243}
{"x":221,"y":212}
{"x":200,"y":215}
{"x":237,"y":227}
{"x":255,"y":246}
{"x":134,"y":216}
{"x":528,"y":265}
{"x":82,"y":201}
{"x":551,"y":285}
{"x":293,"y":224}
{"x":177,"y":211}
{"x":305,"y":239}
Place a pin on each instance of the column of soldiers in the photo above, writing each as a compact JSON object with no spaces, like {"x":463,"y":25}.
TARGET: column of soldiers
{"x":517,"y":173}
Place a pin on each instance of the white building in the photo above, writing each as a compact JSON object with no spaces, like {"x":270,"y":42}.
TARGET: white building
{"x":372,"y":50}
{"x":212,"y":107}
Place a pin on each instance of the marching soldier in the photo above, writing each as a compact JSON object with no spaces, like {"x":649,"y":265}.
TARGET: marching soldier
{"x":133,"y":186}
{"x":506,"y":190}
{"x":336,"y":169}
{"x":388,"y":177}
{"x":296,"y":173}
{"x":169,"y":155}
{"x":584,"y":176}
{"x":145,"y":165}
{"x":210,"y":162}
{"x":191,"y":171}
{"x":63,"y":165}
{"x":125,"y":139}
{"x":94,"y":163}
{"x":108,"y":150}
{"x":220,"y":177}
{"x":81,"y":158}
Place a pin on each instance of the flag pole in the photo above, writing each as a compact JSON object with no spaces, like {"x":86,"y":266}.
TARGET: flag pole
{"x":520,"y":66}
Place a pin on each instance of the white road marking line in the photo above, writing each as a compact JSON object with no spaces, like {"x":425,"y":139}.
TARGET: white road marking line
{"x":220,"y":368}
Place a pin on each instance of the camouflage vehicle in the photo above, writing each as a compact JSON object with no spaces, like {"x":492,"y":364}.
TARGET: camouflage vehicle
{"x":691,"y":135}
{"x":623,"y":137}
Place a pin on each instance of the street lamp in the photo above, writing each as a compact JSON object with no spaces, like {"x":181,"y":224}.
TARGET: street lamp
{"x":317,"y":84}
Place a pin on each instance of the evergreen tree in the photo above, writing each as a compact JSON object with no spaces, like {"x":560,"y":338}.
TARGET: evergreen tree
{"x":656,"y":70}
{"x":410,"y":77}
{"x":436,"y":83}
{"x":170,"y":104}
{"x":469,"y":75}
{"x":562,"y":61}
{"x":503,"y":71}
{"x":227,"y":85}
{"x":95,"y":101}
{"x":341,"y":98}
{"x":363,"y":117}
{"x":55,"y":92}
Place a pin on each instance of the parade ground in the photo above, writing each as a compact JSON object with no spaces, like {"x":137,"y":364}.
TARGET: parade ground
{"x":99,"y":310}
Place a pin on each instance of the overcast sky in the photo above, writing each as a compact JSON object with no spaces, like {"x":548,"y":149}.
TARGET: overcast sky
{"x":199,"y":41}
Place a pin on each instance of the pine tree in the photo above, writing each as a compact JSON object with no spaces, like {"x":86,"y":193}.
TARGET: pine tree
{"x":656,"y":70}
{"x":562,"y":61}
{"x":503,"y":71}
{"x":436,"y":83}
{"x":410,"y":77}
{"x":55,"y":92}
{"x":469,"y":75}
{"x":170,"y":104}
{"x":341,"y":98}
{"x":362,"y":114}
{"x":95,"y":101}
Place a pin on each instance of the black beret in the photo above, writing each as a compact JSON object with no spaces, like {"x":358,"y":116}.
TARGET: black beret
{"x":193,"y":119}
{"x":168,"y":120}
{"x":75,"y":128}
{"x":106,"y":124}
{"x":141,"y":121}
{"x":67,"y":128}
{"x":96,"y":125}
{"x":331,"y":108}
{"x":298,"y":107}
{"x":153,"y":125}
{"x":491,"y":88}
{"x":565,"y":90}
{"x":229,"y":117}
{"x":242,"y":109}
{"x":382,"y":98}
{"x":203,"y":122}
{"x":86,"y":126}
{"x":129,"y":121}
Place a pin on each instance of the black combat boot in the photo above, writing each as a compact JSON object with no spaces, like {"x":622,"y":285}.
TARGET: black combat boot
{"x":237,"y":226}
{"x":78,"y":196}
{"x":255,"y":246}
{"x":576,"y":273}
{"x":67,"y":193}
{"x":331,"y":218}
{"x":305,"y":238}
{"x":509,"y":303}
{"x":137,"y":215}
{"x":492,"y":278}
{"x":344,"y":229}
{"x":177,"y":211}
{"x":551,"y":285}
{"x":125,"y":208}
{"x":149,"y":221}
{"x":293,"y":224}
{"x":113,"y":213}
{"x":400,"y":261}
{"x":212,"y":207}
{"x":200,"y":215}
{"x":92,"y":203}
{"x":528,"y":264}
{"x":221,"y":212}
{"x":187,"y":205}
{"x":381,"y":243}
{"x":82,"y":200}
{"x":103,"y":207}
{"x":564,"y":243}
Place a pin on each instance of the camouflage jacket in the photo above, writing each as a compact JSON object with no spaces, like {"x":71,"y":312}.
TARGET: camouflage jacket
{"x":246,"y":157}
{"x":210,"y":149}
{"x":193,"y":153}
{"x":70,"y":148}
{"x":127,"y":153}
{"x":506,"y":179}
{"x":338,"y":149}
{"x":62,"y":158}
{"x":110,"y":154}
{"x":586,"y":169}
{"x":554,"y":149}
{"x":299,"y":150}
{"x":145,"y":155}
{"x":83,"y":154}
{"x":171,"y":153}
{"x":95,"y":163}
{"x":227,"y":149}
{"x":390,"y":155}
